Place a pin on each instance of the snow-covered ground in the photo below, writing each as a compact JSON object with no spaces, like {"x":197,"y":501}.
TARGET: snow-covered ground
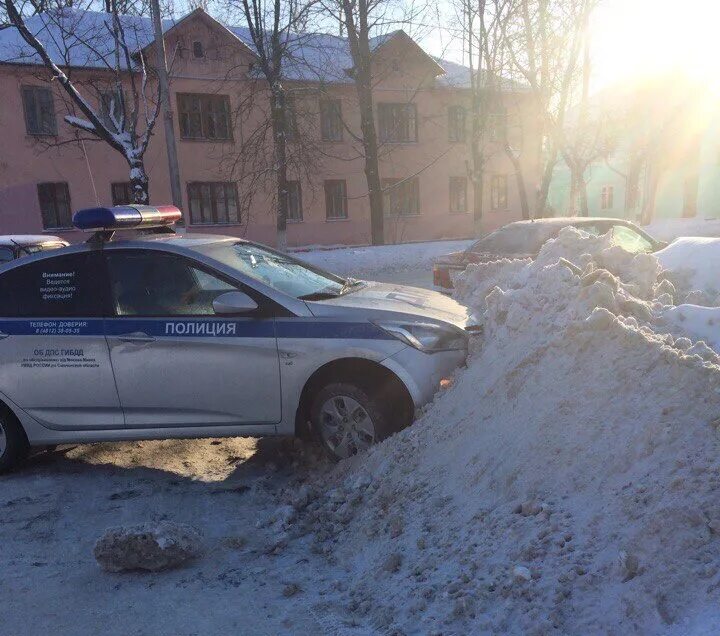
{"x":407,"y":263}
{"x":565,"y":483}
{"x":670,"y":229}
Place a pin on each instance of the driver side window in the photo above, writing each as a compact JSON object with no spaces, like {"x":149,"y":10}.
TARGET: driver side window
{"x":630,"y":240}
{"x":147,"y":283}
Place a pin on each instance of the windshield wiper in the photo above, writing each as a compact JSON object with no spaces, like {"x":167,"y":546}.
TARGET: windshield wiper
{"x":349,"y":284}
{"x":319,"y":296}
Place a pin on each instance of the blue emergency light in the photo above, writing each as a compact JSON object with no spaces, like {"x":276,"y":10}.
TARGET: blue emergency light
{"x":125,"y":217}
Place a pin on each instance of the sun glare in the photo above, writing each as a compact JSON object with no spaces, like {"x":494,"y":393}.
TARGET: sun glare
{"x":639,"y":38}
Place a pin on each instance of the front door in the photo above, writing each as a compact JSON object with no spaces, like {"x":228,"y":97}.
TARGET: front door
{"x":178,"y":364}
{"x":54,"y":359}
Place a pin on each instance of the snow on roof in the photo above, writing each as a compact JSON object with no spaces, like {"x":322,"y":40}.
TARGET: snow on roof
{"x":83,"y":39}
{"x":29,"y":239}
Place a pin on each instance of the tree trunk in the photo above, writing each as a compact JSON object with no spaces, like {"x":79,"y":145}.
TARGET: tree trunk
{"x":372,"y":163}
{"x":520,"y":182}
{"x":542,"y":194}
{"x":478,"y":192}
{"x":139,"y":184}
{"x":277,"y":105}
{"x":582,"y":188}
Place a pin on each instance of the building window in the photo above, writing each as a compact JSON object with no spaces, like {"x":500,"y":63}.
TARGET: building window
{"x":331,"y":126}
{"x":198,"y":51}
{"x":606,"y":197}
{"x":39,"y":111}
{"x":335,"y":199}
{"x":294,"y":210}
{"x":111,"y":109}
{"x":291,"y":121}
{"x":121,"y":193}
{"x":213,"y":202}
{"x":458,"y":194}
{"x":456,"y":123}
{"x":497,"y":125}
{"x":498,"y":192}
{"x":204,"y":116}
{"x":401,"y":196}
{"x":397,"y":122}
{"x":54,"y":201}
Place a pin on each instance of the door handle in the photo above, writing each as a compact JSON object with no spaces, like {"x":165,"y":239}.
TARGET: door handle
{"x":136,"y":336}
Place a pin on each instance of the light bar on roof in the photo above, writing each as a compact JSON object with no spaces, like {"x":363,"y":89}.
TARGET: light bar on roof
{"x":126,"y":217}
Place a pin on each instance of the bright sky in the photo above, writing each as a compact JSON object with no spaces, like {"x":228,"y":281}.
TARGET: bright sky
{"x":636,"y":37}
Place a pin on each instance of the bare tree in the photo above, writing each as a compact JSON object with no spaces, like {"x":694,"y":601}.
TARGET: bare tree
{"x":274,"y":27}
{"x":126,"y":120}
{"x":543,"y":40}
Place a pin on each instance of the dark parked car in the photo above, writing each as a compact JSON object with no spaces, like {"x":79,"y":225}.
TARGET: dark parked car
{"x":524,"y":239}
{"x":14,"y":246}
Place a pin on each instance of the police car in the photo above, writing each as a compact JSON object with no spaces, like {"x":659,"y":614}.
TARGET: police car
{"x":14,"y":246}
{"x":155,"y":335}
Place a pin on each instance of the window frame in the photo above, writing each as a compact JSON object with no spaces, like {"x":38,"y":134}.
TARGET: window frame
{"x":330,"y":105}
{"x":35,"y":89}
{"x":607,"y":197}
{"x":454,"y":180}
{"x":326,"y":184}
{"x":228,"y":186}
{"x":494,"y":180}
{"x":127,"y":186}
{"x":295,"y":184}
{"x":55,"y":184}
{"x":197,"y":44}
{"x":181,"y":103}
{"x":390,"y":110}
{"x":391,"y":185}
{"x":454,"y":120}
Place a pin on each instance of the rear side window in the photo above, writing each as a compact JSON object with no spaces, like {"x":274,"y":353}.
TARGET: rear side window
{"x":67,"y":286}
{"x":524,"y":239}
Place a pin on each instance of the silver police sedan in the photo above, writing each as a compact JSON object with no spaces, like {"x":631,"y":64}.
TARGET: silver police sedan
{"x":162,"y":335}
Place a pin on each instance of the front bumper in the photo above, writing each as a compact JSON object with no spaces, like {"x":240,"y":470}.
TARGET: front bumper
{"x":422,"y":372}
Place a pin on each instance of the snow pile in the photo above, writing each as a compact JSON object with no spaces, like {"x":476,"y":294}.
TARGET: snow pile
{"x":694,"y":263}
{"x":567,"y":481}
{"x":362,"y":262}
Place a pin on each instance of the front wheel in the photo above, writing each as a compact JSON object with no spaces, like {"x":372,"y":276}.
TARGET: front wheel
{"x":347,"y":420}
{"x":14,"y":446}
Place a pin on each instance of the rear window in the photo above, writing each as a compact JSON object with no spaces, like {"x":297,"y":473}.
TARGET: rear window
{"x":61,"y":287}
{"x":515,"y":239}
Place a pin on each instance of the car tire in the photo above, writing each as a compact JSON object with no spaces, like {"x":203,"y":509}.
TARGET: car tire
{"x":14,"y":447}
{"x":346,"y":419}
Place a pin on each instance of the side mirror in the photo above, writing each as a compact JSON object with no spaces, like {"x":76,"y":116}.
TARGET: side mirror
{"x":233,"y":303}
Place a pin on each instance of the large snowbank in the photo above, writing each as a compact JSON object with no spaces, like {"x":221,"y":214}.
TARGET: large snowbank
{"x":695,"y":263}
{"x":566,"y":482}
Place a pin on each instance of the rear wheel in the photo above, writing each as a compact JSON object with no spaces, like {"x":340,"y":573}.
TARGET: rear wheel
{"x":14,"y":446}
{"x":347,"y":419}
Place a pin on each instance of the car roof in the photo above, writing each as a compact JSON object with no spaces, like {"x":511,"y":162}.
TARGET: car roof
{"x":29,"y":239}
{"x":570,"y":220}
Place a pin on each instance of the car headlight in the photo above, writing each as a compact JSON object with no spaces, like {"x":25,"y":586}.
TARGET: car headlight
{"x":426,"y":336}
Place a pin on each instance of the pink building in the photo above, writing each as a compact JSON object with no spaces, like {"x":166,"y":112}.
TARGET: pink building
{"x":422,"y":107}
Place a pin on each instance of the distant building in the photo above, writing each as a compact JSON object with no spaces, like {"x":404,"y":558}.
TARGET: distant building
{"x":665,"y":162}
{"x":422,"y":106}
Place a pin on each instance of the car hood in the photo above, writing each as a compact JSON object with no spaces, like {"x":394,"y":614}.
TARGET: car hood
{"x":380,"y":299}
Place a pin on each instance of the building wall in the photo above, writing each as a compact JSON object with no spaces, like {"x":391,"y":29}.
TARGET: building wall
{"x":90,"y":167}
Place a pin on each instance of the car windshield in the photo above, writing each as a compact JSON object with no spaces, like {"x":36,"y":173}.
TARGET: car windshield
{"x":279,"y":271}
{"x":514,"y":239}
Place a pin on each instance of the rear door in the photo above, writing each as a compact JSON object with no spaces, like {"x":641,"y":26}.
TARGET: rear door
{"x":54,"y":359}
{"x":177,"y":363}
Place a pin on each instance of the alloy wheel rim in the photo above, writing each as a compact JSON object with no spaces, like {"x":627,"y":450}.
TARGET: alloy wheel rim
{"x":346,"y":426}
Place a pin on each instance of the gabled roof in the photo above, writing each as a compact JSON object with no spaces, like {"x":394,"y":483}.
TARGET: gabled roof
{"x":83,"y":39}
